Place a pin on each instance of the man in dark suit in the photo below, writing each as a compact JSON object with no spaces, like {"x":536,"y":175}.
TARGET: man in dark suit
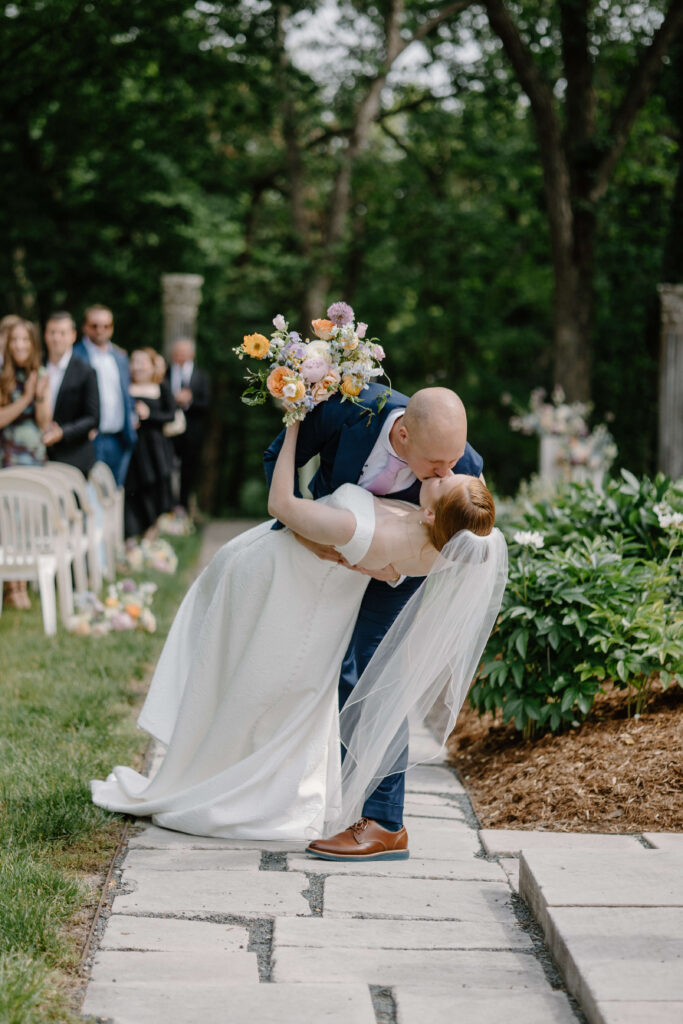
{"x":190,"y":388}
{"x":75,"y":398}
{"x":116,"y":434}
{"x":389,"y":452}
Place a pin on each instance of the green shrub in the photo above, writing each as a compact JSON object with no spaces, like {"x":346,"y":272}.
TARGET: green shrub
{"x":599,"y":601}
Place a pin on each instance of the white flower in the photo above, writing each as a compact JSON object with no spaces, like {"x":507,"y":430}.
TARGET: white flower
{"x":529,"y":538}
{"x":318,"y":350}
{"x":290,"y":390}
{"x":279,"y":322}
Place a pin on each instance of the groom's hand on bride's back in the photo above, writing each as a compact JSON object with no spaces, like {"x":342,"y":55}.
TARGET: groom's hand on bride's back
{"x":324,"y":551}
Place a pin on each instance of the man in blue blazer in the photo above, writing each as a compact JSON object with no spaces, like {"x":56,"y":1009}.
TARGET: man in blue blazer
{"x":389,"y":452}
{"x":116,"y":435}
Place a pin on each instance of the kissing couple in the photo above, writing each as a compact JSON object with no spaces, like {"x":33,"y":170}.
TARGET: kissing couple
{"x":301,"y":656}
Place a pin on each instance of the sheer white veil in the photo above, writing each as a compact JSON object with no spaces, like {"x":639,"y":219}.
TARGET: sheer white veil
{"x":433,"y":649}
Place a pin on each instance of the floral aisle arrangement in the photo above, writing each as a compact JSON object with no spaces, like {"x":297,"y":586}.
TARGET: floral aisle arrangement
{"x":301,"y":373}
{"x":576,"y":450}
{"x":151,"y":554}
{"x":127,"y":606}
{"x":176,"y":523}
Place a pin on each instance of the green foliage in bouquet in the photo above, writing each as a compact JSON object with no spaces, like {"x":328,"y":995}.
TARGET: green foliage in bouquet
{"x":594,"y":596}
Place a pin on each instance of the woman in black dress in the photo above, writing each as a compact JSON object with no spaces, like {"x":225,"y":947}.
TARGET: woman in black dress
{"x":150,"y":467}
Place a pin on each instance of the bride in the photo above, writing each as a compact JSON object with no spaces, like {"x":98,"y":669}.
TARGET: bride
{"x":245,"y":692}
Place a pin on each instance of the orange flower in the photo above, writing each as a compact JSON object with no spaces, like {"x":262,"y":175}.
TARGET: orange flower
{"x":256,"y":345}
{"x":351,"y":386}
{"x":133,"y":610}
{"x":277,"y":379}
{"x":323,"y":328}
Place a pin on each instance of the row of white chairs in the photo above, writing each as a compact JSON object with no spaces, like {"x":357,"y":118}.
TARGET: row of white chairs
{"x":55,"y":523}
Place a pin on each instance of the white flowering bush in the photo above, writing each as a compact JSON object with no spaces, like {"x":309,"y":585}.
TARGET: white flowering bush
{"x":595,"y":595}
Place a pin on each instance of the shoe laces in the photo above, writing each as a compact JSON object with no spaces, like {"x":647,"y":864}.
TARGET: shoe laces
{"x":360,"y":825}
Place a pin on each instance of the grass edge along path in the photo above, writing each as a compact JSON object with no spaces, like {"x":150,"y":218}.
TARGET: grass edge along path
{"x":67,"y":714}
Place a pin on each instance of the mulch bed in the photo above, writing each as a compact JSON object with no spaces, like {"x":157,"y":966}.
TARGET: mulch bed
{"x":611,"y":774}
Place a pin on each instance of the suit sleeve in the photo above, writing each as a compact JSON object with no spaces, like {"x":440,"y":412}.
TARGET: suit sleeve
{"x":89,"y":412}
{"x":315,"y":430}
{"x":200,"y":393}
{"x":470,"y":463}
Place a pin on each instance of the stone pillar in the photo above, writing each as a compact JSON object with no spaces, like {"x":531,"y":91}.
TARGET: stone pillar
{"x":670,"y":453}
{"x":551,"y":458}
{"x":182,"y":294}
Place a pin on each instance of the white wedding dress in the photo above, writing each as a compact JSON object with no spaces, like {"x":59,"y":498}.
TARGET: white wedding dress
{"x":245,"y":692}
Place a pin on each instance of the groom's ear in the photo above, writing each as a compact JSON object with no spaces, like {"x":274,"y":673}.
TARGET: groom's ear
{"x":427,"y":515}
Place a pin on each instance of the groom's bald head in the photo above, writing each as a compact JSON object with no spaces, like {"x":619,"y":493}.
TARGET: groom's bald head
{"x":432,"y":433}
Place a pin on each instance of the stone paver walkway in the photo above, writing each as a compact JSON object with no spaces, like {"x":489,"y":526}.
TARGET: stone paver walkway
{"x":229,"y":931}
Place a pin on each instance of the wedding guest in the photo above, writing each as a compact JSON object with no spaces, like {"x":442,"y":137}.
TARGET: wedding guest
{"x":169,"y":430}
{"x":24,"y":415}
{"x":150,"y":465}
{"x":116,"y":434}
{"x":75,"y":397}
{"x":5,"y":324}
{"x":190,"y":388}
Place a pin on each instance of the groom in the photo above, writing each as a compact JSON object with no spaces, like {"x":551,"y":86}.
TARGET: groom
{"x":388,"y":453}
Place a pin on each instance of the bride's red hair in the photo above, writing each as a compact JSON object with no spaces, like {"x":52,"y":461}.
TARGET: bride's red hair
{"x":468,"y":507}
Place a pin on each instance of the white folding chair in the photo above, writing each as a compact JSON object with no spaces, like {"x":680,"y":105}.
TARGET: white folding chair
{"x":33,"y":543}
{"x":77,"y":540}
{"x":110,"y":499}
{"x":93,"y":532}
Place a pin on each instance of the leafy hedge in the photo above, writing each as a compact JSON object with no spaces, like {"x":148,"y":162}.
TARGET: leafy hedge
{"x":599,"y":600}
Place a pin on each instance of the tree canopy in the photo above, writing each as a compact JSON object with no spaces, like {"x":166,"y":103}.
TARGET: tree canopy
{"x":496,"y":188}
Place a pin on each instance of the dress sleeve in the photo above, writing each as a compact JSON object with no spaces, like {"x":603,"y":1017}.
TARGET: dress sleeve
{"x":361,"y":503}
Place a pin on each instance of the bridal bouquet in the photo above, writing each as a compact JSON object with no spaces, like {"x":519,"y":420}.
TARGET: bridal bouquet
{"x":302,"y":373}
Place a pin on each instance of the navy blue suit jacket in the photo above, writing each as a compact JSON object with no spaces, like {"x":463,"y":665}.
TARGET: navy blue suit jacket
{"x":343,"y":435}
{"x":129,"y":431}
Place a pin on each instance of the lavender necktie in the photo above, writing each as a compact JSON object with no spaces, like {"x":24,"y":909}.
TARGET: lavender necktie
{"x":385,"y":480}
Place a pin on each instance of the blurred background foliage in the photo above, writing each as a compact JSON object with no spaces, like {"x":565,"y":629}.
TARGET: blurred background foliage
{"x":208,"y":138}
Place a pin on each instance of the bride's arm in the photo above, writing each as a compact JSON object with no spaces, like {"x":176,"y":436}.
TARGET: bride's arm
{"x":310,"y":519}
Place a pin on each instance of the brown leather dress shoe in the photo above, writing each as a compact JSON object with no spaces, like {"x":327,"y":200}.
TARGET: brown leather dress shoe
{"x":364,"y":840}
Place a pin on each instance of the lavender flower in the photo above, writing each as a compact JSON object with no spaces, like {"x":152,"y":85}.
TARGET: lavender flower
{"x":340,"y":313}
{"x":294,"y":350}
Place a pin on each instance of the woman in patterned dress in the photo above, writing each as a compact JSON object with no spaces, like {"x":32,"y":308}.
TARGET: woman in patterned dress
{"x":25,"y":412}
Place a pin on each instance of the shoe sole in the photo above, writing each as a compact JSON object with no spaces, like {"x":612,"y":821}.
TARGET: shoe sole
{"x":388,"y":855}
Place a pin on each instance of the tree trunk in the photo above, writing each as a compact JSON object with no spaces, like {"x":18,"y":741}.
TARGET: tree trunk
{"x":576,"y":167}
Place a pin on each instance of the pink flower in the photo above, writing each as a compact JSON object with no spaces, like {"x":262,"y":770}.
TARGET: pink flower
{"x":314,"y":369}
{"x":279,"y":322}
{"x":361,"y":329}
{"x":326,"y":387}
{"x":378,"y":352}
{"x":121,"y":621}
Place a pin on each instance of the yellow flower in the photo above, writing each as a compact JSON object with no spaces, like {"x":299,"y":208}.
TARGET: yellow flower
{"x":111,"y":602}
{"x":351,"y":386}
{"x":256,"y":345}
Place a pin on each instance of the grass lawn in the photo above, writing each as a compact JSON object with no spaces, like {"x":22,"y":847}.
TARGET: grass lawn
{"x":66,"y":716}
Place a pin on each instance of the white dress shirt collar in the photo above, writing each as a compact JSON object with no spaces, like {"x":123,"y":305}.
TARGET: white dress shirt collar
{"x":56,"y":373}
